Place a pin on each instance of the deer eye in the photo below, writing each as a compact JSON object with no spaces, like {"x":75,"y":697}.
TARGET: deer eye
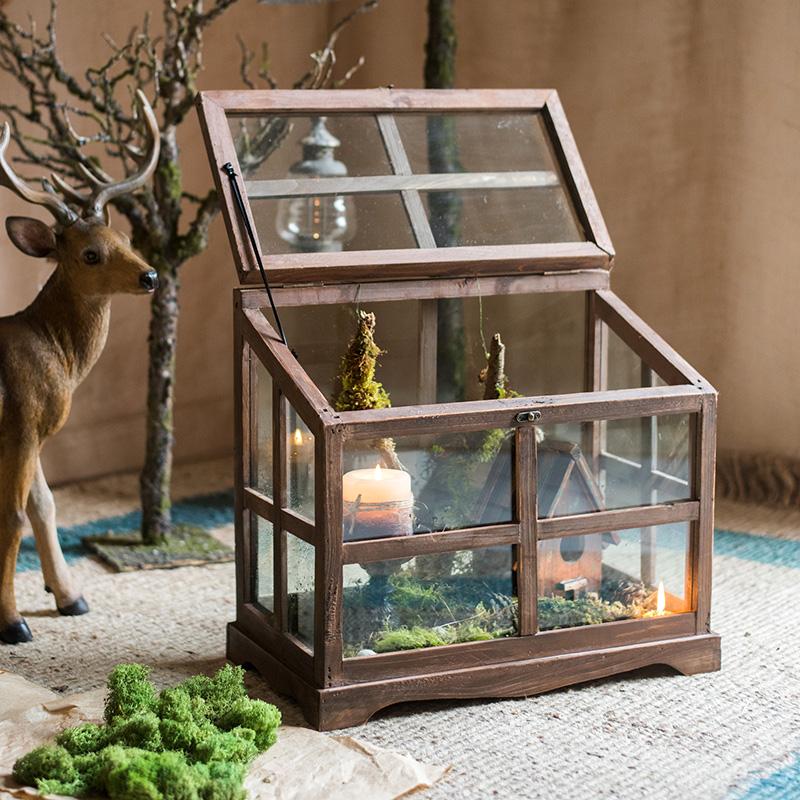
{"x":91,"y":257}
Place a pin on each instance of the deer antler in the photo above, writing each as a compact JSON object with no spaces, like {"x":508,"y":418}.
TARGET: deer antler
{"x":105,"y":191}
{"x":51,"y":201}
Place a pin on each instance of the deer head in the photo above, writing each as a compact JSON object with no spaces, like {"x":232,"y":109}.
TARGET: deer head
{"x":93,"y":258}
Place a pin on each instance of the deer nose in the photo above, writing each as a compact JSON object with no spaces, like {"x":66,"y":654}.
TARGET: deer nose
{"x":149,"y":280}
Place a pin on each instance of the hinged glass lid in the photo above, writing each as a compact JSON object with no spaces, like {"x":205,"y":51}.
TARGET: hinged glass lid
{"x":345,"y":186}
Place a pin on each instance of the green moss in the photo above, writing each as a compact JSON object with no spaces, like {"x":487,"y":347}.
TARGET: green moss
{"x":83,"y":739}
{"x":50,"y":762}
{"x":187,"y":544}
{"x":140,"y":730}
{"x":407,"y":639}
{"x":472,"y":632}
{"x":559,"y":612}
{"x":218,"y":693}
{"x":129,"y":691}
{"x":358,"y":388}
{"x":169,"y":174}
{"x":256,"y":715}
{"x":236,"y":745}
{"x":191,"y":742}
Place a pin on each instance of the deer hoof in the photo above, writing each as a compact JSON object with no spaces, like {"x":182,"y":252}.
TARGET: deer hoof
{"x":16,"y":633}
{"x":80,"y":606}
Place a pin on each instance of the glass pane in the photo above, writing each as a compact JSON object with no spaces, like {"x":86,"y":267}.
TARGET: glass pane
{"x":605,"y":577}
{"x":493,"y":144}
{"x":270,"y":146}
{"x":332,"y":223}
{"x":501,"y":216}
{"x":434,"y":482}
{"x":641,"y":461}
{"x":543,"y":337}
{"x":624,"y":366}
{"x":300,"y":589}
{"x":265,"y":561}
{"x":426,"y":601}
{"x":261,"y":456}
{"x":293,"y":216}
{"x":489,"y":141}
{"x":485,"y":179}
{"x":300,"y":474}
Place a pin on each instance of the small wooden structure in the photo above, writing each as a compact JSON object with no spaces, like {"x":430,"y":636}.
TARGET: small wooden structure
{"x":572,"y":524}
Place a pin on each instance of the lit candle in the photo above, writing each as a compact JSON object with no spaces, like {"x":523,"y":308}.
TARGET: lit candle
{"x":661,"y":599}
{"x":378,"y":502}
{"x":300,"y":469}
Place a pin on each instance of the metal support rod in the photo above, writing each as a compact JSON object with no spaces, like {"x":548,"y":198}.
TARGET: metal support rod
{"x":227,"y":168}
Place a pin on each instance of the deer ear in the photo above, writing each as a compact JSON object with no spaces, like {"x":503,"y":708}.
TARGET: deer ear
{"x":31,"y":236}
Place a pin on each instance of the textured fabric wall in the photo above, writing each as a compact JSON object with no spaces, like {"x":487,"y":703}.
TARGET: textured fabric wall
{"x":687,"y":115}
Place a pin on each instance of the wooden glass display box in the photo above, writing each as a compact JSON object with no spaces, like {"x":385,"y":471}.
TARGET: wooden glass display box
{"x":471,"y":471}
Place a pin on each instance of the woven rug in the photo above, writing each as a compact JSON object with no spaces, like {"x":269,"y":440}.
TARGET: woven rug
{"x":733,"y":735}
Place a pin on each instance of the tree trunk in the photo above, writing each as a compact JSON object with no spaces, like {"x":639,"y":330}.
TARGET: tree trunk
{"x":440,"y":67}
{"x":156,"y":475}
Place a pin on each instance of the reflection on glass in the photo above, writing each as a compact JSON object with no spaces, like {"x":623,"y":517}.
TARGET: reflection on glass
{"x":268,"y":145}
{"x":300,"y":589}
{"x":261,"y":455}
{"x":265,"y":561}
{"x":485,"y":142}
{"x":606,"y":577}
{"x":300,"y":475}
{"x":502,"y":216}
{"x":456,"y":481}
{"x":382,"y":222}
{"x":544,"y":335}
{"x":639,"y":461}
{"x":426,"y":601}
{"x":318,"y":223}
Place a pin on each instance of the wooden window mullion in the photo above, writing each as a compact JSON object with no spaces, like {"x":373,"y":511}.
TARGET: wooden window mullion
{"x":526,"y":500}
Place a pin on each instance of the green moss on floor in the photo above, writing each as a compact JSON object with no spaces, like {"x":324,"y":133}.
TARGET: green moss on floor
{"x":187,"y":545}
{"x":191,"y":742}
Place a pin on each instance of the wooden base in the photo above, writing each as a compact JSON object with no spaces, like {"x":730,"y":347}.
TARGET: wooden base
{"x":355,"y":703}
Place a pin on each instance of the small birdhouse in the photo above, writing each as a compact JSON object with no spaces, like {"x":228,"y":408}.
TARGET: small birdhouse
{"x":464,"y":467}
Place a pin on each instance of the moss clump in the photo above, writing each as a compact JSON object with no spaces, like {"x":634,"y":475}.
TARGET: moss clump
{"x":407,"y":639}
{"x":83,"y":739}
{"x":359,"y":389}
{"x":129,"y":692}
{"x":191,"y":742}
{"x":559,"y":612}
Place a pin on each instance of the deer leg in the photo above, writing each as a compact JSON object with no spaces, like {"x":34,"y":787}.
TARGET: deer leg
{"x":57,"y":577}
{"x":16,"y":476}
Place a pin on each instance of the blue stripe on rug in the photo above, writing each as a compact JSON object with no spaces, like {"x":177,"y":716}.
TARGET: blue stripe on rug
{"x":206,"y":511}
{"x":783,"y":784}
{"x":763,"y":549}
{"x":213,"y":510}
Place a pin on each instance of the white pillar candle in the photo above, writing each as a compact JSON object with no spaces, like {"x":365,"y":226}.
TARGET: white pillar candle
{"x":376,"y":485}
{"x":378,"y":502}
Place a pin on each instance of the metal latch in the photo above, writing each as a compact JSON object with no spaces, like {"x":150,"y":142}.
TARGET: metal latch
{"x":529,"y":416}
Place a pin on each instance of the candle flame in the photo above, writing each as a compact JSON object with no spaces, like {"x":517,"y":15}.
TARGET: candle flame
{"x":378,"y":472}
{"x":661,"y":599}
{"x":297,"y":436}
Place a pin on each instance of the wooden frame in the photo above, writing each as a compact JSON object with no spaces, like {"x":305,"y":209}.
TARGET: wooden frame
{"x":335,"y":691}
{"x":426,"y":260}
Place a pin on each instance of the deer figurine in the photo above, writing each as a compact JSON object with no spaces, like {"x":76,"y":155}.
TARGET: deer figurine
{"x":47,"y":349}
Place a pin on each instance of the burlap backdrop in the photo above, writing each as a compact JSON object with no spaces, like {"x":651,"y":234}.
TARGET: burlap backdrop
{"x":687,"y":115}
